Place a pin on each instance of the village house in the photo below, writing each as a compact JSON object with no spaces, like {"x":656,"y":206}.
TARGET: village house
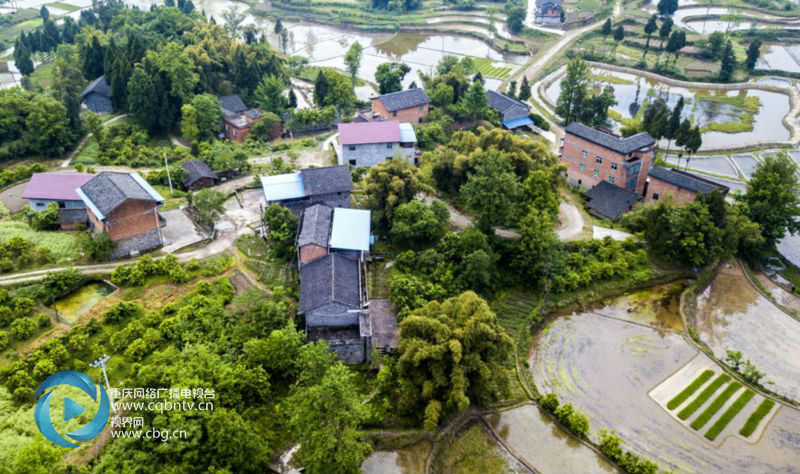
{"x":513,"y":113}
{"x":548,"y":12}
{"x":198,"y":175}
{"x":610,"y":201}
{"x":97,"y":96}
{"x":325,"y":230}
{"x":682,"y":186}
{"x":330,"y":186}
{"x":594,"y":155}
{"x":125,"y":207}
{"x":237,"y":118}
{"x":404,"y":106}
{"x":44,"y":189}
{"x":370,"y":143}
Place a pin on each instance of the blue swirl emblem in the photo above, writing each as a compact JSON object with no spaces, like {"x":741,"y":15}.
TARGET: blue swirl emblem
{"x":71,"y":409}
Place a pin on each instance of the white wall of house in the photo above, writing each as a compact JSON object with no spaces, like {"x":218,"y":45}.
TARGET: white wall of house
{"x":41,"y":204}
{"x":373,"y":153}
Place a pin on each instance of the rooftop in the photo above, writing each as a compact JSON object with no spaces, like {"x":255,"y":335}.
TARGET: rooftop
{"x":55,"y":186}
{"x":369,"y":132}
{"x":108,"y":190}
{"x":508,"y":107}
{"x":407,"y":134}
{"x":611,"y":201}
{"x":232,"y":104}
{"x":350,"y":229}
{"x":195,"y":170}
{"x":283,"y":186}
{"x":685,"y":180}
{"x":404,"y":99}
{"x":307,"y":182}
{"x":612,"y":142}
{"x":332,"y":278}
{"x":98,"y":86}
{"x":315,"y":226}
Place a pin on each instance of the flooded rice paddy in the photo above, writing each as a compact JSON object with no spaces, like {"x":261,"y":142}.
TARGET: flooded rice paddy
{"x":408,"y":460}
{"x":73,"y":305}
{"x":718,"y":165}
{"x":606,"y":367}
{"x":780,"y":57}
{"x":732,"y":315}
{"x":703,"y":107}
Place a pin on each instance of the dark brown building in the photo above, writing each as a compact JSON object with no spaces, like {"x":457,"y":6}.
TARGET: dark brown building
{"x":404,"y":106}
{"x":198,"y":175}
{"x":682,"y":186}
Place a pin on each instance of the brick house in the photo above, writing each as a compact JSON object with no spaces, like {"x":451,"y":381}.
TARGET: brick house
{"x":370,"y":143}
{"x":324,"y":230}
{"x":513,"y":113}
{"x":548,"y":12}
{"x":44,"y":189}
{"x":594,"y":155}
{"x":237,"y":118}
{"x":330,"y":186}
{"x":683,"y":186}
{"x":198,"y":175}
{"x":124,"y":206}
{"x":405,"y":106}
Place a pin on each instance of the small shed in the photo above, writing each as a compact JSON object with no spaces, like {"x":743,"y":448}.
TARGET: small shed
{"x":97,"y":96}
{"x":198,"y":175}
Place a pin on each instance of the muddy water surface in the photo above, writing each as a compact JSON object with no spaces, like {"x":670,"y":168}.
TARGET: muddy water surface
{"x":72,"y":306}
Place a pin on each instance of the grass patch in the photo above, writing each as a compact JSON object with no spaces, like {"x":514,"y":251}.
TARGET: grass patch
{"x":689,"y":390}
{"x":64,"y":6}
{"x":65,"y":246}
{"x":488,"y":68}
{"x":755,"y":418}
{"x":259,"y":259}
{"x":609,"y":78}
{"x":42,"y":76}
{"x":704,"y":395}
{"x":88,"y":154}
{"x":749,"y":106}
{"x":712,"y":409}
{"x":473,"y":452}
{"x":729,"y":414}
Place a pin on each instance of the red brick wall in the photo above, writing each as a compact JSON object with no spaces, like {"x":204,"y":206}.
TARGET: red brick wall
{"x":572,"y":155}
{"x":131,"y":218}
{"x":311,"y":252}
{"x":662,"y":188}
{"x":409,"y":115}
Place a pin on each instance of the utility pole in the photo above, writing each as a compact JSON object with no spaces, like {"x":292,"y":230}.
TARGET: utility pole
{"x":101,"y":362}
{"x":169,"y":179}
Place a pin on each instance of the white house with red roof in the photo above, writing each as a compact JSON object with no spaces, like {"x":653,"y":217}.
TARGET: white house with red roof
{"x":370,"y":143}
{"x":47,"y":188}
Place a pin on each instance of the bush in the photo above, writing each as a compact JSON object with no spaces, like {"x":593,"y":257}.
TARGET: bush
{"x":42,"y":320}
{"x":23,"y":329}
{"x":123,"y":310}
{"x":98,"y":247}
{"x":3,"y":340}
{"x":549,"y":402}
{"x":610,"y":445}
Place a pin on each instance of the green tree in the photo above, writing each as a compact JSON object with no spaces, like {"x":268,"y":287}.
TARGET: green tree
{"x":44,"y":13}
{"x":209,"y":115}
{"x":524,"y":89}
{"x":716,"y":44}
{"x":352,"y":59}
{"x":22,"y":59}
{"x":189,"y":129}
{"x":619,"y":35}
{"x":540,"y":189}
{"x":209,"y":204}
{"x":326,"y":419}
{"x":281,"y":229}
{"x":492,"y":192}
{"x":417,"y":223}
{"x":332,"y":88}
{"x":664,"y":31}
{"x":515,"y":16}
{"x":771,"y":199}
{"x":267,"y":127}
{"x":536,"y":246}
{"x":451,"y":354}
{"x":650,"y":28}
{"x":93,"y":56}
{"x":607,"y":28}
{"x":574,"y":91}
{"x":47,"y":127}
{"x":388,"y":186}
{"x":753,"y":53}
{"x":594,"y":110}
{"x":68,"y":83}
{"x":23,"y":328}
{"x":728,"y":64}
{"x":46,"y":219}
{"x":390,"y":77}
{"x":512,"y":89}
{"x":475,"y":102}
{"x":142,"y":103}
{"x":269,"y":95}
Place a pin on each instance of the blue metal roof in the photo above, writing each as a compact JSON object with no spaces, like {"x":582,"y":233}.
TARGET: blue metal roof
{"x":350,"y":229}
{"x":520,"y":122}
{"x":283,"y":186}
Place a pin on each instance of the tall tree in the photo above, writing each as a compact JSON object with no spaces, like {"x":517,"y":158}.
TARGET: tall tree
{"x":650,"y":28}
{"x":189,"y":130}
{"x":574,"y":91}
{"x":352,"y":59}
{"x":321,"y":88}
{"x":677,"y":40}
{"x":47,"y":127}
{"x":492,"y":192}
{"x":390,"y":77}
{"x":619,"y":35}
{"x":728,"y":64}
{"x":389,"y":185}
{"x":674,"y":123}
{"x":536,"y":247}
{"x":269,"y":95}
{"x":93,"y":56}
{"x":753,"y":53}
{"x":44,"y":13}
{"x":515,"y":16}
{"x":23,"y":60}
{"x":607,"y":28}
{"x":524,"y":89}
{"x":142,"y":100}
{"x":475,"y":102}
{"x":512,"y":89}
{"x":664,"y":31}
{"x":209,"y":115}
{"x":68,"y":83}
{"x":594,"y":110}
{"x":772,"y":200}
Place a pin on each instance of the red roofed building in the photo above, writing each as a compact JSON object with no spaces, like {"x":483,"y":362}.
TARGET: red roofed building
{"x":370,"y":143}
{"x":47,"y":188}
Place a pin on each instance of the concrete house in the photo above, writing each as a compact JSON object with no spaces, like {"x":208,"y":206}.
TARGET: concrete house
{"x":44,"y":189}
{"x":684,"y":187}
{"x":330,"y":186}
{"x":124,"y":206}
{"x":324,"y":230}
{"x":513,"y":113}
{"x":198,"y":175}
{"x":405,"y":106}
{"x":97,"y":96}
{"x":370,"y":143}
{"x":594,"y":155}
{"x":237,"y":118}
{"x":548,"y":12}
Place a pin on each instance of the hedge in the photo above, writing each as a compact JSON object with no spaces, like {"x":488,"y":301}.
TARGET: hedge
{"x":729,"y":414}
{"x":755,"y":418}
{"x":690,"y":389}
{"x":712,"y":409}
{"x":704,"y":395}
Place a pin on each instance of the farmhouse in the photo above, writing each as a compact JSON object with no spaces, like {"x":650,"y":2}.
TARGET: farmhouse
{"x":370,"y":143}
{"x":97,"y":96}
{"x":594,"y":155}
{"x":405,"y":106}
{"x":198,"y":175}
{"x":548,"y":12}
{"x":329,"y":186}
{"x":324,"y":230}
{"x":47,"y":188}
{"x":610,"y":201}
{"x":124,"y":206}
{"x":513,"y":113}
{"x":237,"y":118}
{"x":683,"y":186}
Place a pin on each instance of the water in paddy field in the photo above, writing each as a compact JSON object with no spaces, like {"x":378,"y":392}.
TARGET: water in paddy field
{"x":607,"y":366}
{"x":73,"y":305}
{"x":633,"y":91}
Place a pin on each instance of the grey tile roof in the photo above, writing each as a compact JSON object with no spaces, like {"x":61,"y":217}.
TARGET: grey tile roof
{"x":611,"y":201}
{"x":404,"y":99}
{"x":544,"y":3}
{"x":315,"y":226}
{"x":508,"y":107}
{"x":332,"y":278}
{"x":330,"y":179}
{"x":97,"y":103}
{"x":685,"y":180}
{"x":109,"y":189}
{"x":232,"y":103}
{"x":196,"y":169}
{"x":98,"y":86}
{"x":618,"y":144}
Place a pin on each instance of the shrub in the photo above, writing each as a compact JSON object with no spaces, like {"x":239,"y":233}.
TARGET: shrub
{"x":610,"y":445}
{"x":23,"y":329}
{"x":46,"y":219}
{"x":3,"y":340}
{"x":123,"y":310}
{"x":549,"y":402}
{"x":42,"y":320}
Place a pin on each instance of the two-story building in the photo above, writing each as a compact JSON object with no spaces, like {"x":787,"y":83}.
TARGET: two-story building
{"x":324,"y":230}
{"x":237,"y":118}
{"x":682,"y":186}
{"x":548,"y":12}
{"x":330,"y":186}
{"x":404,"y":106}
{"x":124,"y":206}
{"x":593,"y":155}
{"x":44,"y":189}
{"x":370,"y":143}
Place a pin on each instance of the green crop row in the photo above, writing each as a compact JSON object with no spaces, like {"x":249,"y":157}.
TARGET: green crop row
{"x":714,"y":407}
{"x":690,"y":389}
{"x":729,"y":414}
{"x":755,"y":418}
{"x":689,"y":409}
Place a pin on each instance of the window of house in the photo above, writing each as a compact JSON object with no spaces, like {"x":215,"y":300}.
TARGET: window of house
{"x":583,"y":154}
{"x":353,"y":162}
{"x":598,"y":159}
{"x":655,"y":196}
{"x":611,"y":179}
{"x":389,"y":146}
{"x":352,"y":148}
{"x":39,"y":204}
{"x":388,"y":158}
{"x":613,"y":166}
{"x":596,"y":173}
{"x":394,"y":114}
{"x":62,"y":204}
{"x":582,"y":167}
